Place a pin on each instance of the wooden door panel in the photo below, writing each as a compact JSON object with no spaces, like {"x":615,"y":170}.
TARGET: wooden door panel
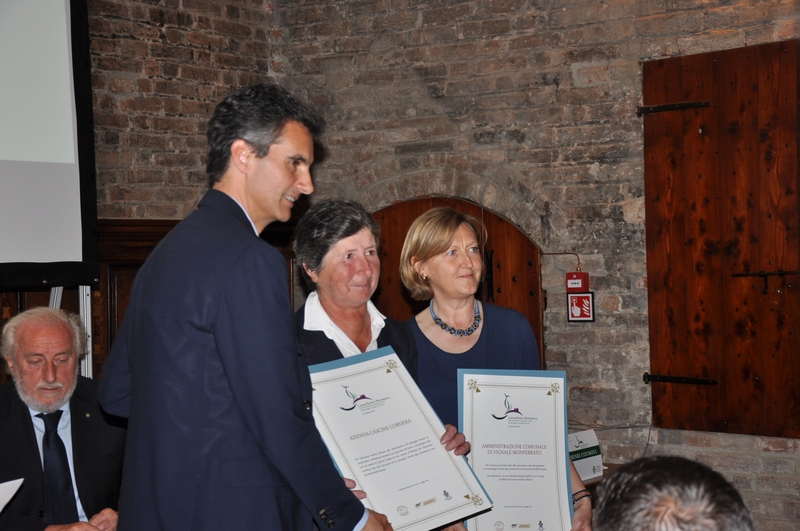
{"x":665,"y":228}
{"x":778,"y":234}
{"x":721,"y":199}
{"x":513,"y":275}
{"x":777,"y":157}
{"x":699,"y":243}
{"x":115,"y":284}
{"x":515,"y":280}
{"x":736,"y":73}
{"x":709,"y":246}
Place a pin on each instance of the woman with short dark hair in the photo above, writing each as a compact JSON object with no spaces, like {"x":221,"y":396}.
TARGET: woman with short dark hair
{"x":336,"y":243}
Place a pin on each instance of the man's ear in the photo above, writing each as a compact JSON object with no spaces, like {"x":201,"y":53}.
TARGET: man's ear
{"x":10,"y":362}
{"x":240,"y":155}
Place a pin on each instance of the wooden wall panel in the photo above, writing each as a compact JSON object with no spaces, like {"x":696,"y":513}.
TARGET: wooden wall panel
{"x":123,"y":246}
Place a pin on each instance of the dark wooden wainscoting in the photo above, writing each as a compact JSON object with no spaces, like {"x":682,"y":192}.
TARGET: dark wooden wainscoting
{"x":123,"y":246}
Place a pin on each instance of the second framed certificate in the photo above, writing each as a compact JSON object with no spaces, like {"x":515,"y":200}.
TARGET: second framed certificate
{"x":516,"y":422}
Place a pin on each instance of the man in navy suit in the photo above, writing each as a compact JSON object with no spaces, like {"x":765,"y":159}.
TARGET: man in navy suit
{"x":41,"y":349}
{"x":205,"y":365}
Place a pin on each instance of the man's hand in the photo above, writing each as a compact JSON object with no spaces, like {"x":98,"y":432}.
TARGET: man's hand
{"x":582,"y":519}
{"x":77,"y":526}
{"x":105,"y":520}
{"x":351,"y":484}
{"x":377,"y":522}
{"x":454,"y":440}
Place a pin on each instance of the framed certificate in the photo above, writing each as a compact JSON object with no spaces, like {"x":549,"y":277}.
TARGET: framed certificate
{"x":381,"y":432}
{"x":516,"y":423}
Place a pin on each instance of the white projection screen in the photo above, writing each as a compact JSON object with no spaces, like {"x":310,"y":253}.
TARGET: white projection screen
{"x":48,"y":210}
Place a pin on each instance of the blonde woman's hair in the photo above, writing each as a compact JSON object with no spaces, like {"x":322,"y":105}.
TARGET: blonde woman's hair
{"x":429,"y":235}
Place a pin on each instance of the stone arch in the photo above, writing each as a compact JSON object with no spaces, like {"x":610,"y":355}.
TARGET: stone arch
{"x":533,"y":213}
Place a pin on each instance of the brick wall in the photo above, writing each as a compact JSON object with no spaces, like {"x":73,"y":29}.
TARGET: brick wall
{"x":159,"y":67}
{"x":526,"y":107}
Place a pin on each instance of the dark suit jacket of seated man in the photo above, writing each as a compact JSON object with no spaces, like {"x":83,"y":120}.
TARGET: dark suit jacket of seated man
{"x":98,"y":449}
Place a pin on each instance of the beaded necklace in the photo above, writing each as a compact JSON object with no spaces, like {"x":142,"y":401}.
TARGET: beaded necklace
{"x":458,"y":332}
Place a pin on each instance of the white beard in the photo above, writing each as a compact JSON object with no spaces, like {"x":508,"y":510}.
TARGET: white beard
{"x":34,"y":404}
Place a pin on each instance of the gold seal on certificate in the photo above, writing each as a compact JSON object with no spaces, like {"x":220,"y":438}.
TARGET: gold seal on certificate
{"x":516,"y":423}
{"x":381,"y":432}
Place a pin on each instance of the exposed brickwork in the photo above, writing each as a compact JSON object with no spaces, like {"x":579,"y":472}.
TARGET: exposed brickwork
{"x":158,"y":70}
{"x":527,"y":108}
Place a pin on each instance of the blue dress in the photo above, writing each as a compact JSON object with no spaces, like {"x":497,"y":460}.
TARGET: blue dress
{"x":506,"y":342}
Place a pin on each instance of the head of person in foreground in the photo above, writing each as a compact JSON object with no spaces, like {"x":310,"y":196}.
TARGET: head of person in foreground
{"x":668,"y":493}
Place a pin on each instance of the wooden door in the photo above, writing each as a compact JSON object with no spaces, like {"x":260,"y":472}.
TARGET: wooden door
{"x":513,"y":269}
{"x":723,"y":260}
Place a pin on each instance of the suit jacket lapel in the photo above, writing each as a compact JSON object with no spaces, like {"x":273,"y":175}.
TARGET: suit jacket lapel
{"x":84,"y":430}
{"x":18,"y":437}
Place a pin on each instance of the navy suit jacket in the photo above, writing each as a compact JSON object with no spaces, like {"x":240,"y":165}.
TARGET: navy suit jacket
{"x":98,"y":444}
{"x":316,"y":347}
{"x":205,"y":365}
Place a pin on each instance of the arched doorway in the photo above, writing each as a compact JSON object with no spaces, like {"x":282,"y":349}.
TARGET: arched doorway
{"x":513,"y":272}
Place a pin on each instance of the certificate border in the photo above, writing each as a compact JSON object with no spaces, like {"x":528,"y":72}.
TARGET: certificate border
{"x":424,"y":409}
{"x":351,"y":360}
{"x":552,"y":375}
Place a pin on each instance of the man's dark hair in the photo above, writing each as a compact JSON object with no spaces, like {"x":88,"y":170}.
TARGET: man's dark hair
{"x":256,"y":114}
{"x":323,"y":226}
{"x":667,"y":493}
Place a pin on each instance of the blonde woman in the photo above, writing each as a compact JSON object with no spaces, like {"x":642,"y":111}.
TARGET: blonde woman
{"x":441,"y":262}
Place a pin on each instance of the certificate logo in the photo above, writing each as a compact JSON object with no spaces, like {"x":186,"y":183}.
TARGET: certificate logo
{"x":509,"y":409}
{"x":354,"y":398}
{"x":402,"y":510}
